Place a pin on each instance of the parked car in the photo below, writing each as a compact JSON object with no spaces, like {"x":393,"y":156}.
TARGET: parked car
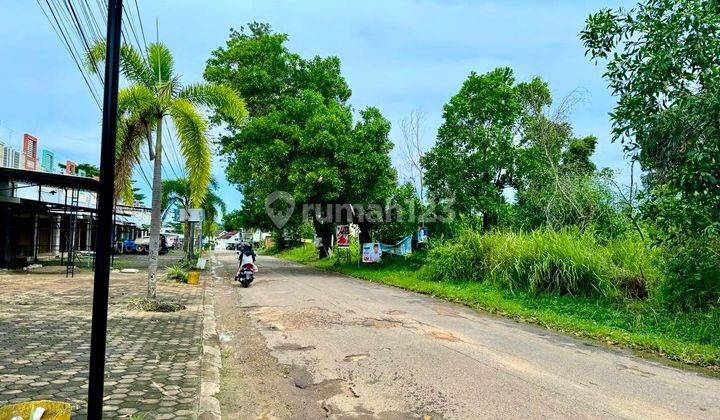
{"x":142,"y":245}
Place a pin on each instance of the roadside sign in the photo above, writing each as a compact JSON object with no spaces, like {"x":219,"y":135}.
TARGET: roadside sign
{"x":342,"y":235}
{"x":371,"y":252}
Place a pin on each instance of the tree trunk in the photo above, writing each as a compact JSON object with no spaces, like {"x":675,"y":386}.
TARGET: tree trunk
{"x":488,"y":221}
{"x":155,"y":215}
{"x":325,"y":232}
{"x":186,"y":238}
{"x":365,"y":235}
{"x":191,"y":242}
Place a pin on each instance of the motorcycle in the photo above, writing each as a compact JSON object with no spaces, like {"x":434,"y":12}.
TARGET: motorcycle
{"x":246,"y":272}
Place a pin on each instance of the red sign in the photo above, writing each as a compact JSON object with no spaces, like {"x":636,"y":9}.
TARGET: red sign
{"x":342,"y":233}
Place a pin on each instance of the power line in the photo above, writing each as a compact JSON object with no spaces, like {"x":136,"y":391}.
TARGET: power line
{"x":58,"y":28}
{"x":175,"y":153}
{"x":142,"y":29}
{"x":84,"y":39}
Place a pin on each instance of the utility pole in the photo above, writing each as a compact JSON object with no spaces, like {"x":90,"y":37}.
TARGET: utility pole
{"x":101,"y":283}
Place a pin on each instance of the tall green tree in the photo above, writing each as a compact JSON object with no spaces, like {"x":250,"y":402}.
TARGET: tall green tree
{"x":663,"y":63}
{"x":155,"y":92}
{"x":232,"y":220}
{"x":473,"y":158}
{"x":301,"y":137}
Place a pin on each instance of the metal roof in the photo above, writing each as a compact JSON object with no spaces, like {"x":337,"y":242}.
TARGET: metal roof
{"x":49,"y":179}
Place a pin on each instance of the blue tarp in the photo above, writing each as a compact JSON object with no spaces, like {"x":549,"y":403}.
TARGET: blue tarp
{"x":402,"y":248}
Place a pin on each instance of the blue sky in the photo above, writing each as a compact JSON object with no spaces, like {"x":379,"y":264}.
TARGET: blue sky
{"x":397,"y":55}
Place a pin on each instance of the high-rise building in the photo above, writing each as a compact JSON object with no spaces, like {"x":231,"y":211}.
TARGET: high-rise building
{"x":47,"y":162}
{"x":11,"y":158}
{"x":30,"y":152}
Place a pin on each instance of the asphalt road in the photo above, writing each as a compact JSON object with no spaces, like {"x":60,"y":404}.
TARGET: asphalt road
{"x":341,"y":347}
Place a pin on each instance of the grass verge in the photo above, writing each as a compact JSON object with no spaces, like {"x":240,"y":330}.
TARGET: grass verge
{"x":692,"y":339}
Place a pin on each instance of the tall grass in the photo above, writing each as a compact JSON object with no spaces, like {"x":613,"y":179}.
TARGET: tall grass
{"x":546,"y":261}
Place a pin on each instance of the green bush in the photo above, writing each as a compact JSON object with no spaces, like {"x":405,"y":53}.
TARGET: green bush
{"x":176,"y":273}
{"x":562,"y":262}
{"x":692,"y":277}
{"x":188,"y":263}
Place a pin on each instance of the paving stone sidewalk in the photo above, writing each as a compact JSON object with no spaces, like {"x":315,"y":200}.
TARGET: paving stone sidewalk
{"x":153,"y":363}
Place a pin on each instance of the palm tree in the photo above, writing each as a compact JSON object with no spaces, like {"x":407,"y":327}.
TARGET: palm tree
{"x":177,"y":191}
{"x":155,"y":92}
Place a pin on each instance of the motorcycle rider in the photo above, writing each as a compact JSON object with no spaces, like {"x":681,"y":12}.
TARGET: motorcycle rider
{"x":247,"y":256}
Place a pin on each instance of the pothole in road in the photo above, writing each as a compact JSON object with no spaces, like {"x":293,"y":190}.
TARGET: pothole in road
{"x":356,"y":357}
{"x":396,"y":312}
{"x":313,"y":317}
{"x":442,"y":335}
{"x":293,"y":347}
{"x":380,"y":323}
{"x":325,"y":389}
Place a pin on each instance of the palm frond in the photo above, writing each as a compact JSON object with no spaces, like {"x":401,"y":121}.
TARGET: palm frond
{"x":218,"y":97}
{"x":195,"y":147}
{"x":160,"y":60}
{"x":211,"y":204}
{"x":132,"y":130}
{"x":213,"y":201}
{"x":178,"y":188}
{"x":132,"y":64}
{"x":137,"y":99}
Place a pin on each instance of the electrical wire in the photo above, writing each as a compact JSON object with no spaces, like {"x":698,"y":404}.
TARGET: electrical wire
{"x":62,"y":36}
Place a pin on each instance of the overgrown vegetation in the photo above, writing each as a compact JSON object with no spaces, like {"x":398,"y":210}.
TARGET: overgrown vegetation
{"x":663,"y":64}
{"x":564,"y":262}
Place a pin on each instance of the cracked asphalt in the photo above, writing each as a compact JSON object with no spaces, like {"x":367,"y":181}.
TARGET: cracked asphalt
{"x":304,"y":343}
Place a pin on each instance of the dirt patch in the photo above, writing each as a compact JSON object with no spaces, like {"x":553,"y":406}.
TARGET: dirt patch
{"x":297,"y":320}
{"x":442,"y":335}
{"x":154,"y":305}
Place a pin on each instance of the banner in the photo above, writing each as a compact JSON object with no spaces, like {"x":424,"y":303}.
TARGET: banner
{"x":402,"y":248}
{"x":342,"y":235}
{"x":371,"y":252}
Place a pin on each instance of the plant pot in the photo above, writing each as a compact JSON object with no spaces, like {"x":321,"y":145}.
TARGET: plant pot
{"x":193,"y":277}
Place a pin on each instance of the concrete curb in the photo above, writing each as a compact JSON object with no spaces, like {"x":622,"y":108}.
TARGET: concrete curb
{"x":208,"y":405}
